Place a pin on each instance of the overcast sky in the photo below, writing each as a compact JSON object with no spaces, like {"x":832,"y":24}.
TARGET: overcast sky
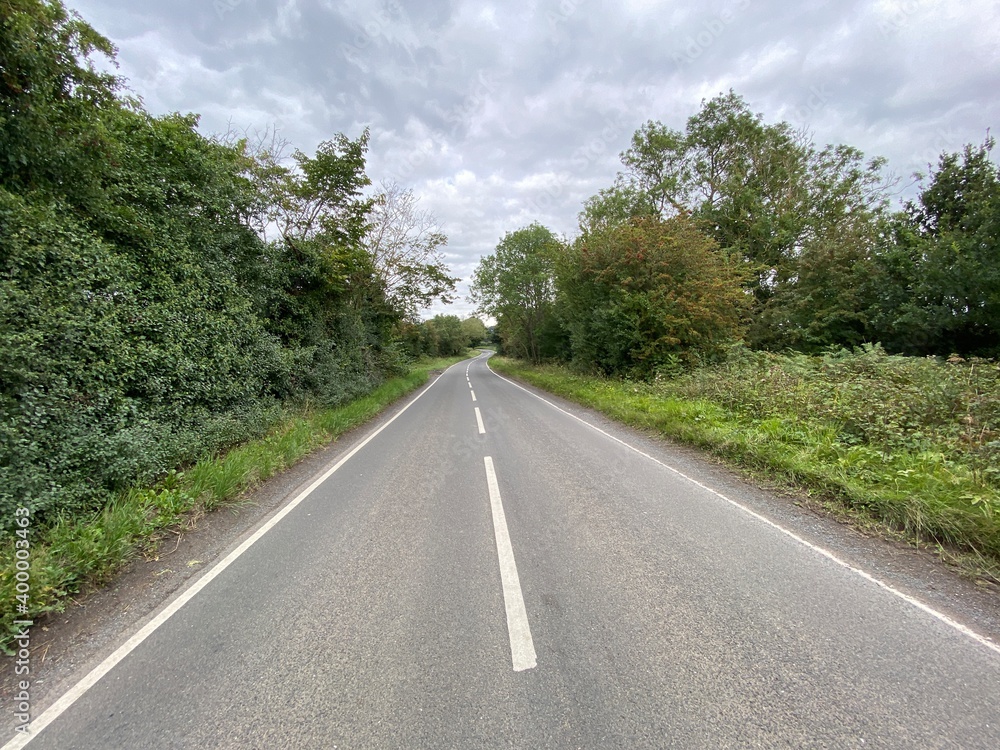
{"x":498,"y":115}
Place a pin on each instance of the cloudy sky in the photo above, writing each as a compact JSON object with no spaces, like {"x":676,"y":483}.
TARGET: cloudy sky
{"x":498,"y":115}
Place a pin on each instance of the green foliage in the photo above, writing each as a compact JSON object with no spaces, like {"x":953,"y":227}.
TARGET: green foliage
{"x":317,"y":288}
{"x":87,"y":549}
{"x":443,"y":336}
{"x":912,"y":442}
{"x":145,"y":324}
{"x":112,"y":375}
{"x":51,"y":99}
{"x":828,"y":299}
{"x":802,"y":218}
{"x":647,"y":295}
{"x":614,"y":206}
{"x":515,"y":285}
{"x":475,"y":331}
{"x":405,"y":244}
{"x":939,"y":269}
{"x":321,"y":200}
{"x":741,"y":177}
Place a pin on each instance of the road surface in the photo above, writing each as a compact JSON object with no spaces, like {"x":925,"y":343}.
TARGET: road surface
{"x":488,"y":571}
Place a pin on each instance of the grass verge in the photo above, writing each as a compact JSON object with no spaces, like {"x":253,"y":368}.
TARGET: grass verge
{"x":74,"y":553}
{"x":924,"y":490}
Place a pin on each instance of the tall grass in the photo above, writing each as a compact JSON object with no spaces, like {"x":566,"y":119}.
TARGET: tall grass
{"x":75,"y":552}
{"x":913,"y":443}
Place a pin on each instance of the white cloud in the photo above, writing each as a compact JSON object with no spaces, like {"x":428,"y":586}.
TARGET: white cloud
{"x":498,"y":114}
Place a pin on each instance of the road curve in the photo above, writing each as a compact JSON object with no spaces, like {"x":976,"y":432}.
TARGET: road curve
{"x":488,"y":571}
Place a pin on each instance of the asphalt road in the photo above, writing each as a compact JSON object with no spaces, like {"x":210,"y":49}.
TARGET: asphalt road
{"x":520,"y":579}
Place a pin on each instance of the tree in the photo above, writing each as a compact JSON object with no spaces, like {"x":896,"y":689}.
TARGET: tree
{"x":51,"y":99}
{"x":322,"y":199}
{"x":443,"y":336}
{"x":741,"y":178}
{"x":765,"y":192}
{"x":821,"y":295}
{"x":265,"y":155}
{"x":405,"y":244}
{"x":940,"y":269}
{"x":319,"y":288}
{"x":515,"y":285}
{"x":614,"y":206}
{"x":475,"y":331}
{"x":145,"y":319}
{"x":648,"y":295}
{"x":317,"y":264}
{"x":130,"y":344}
{"x":827,"y":298}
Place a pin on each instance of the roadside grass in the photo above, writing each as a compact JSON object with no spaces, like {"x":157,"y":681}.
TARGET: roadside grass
{"x":904,"y":446}
{"x":73,"y":554}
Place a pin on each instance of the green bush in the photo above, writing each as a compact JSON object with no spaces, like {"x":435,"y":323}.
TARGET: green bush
{"x":890,"y":403}
{"x":144,"y":324}
{"x":109,"y":378}
{"x":88,"y":548}
{"x":648,"y":295}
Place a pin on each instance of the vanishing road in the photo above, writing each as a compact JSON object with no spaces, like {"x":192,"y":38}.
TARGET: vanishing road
{"x":488,"y":571}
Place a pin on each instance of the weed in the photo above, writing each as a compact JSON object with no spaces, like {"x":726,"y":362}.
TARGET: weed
{"x":911,"y":442}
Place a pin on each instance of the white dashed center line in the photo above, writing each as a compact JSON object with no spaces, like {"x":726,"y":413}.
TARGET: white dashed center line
{"x":522,"y":647}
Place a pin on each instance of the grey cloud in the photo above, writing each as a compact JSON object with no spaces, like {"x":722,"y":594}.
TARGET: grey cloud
{"x":501,"y":114}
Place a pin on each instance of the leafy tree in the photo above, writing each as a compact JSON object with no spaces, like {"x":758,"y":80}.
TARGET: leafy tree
{"x":821,"y":295}
{"x":739,"y":176}
{"x":515,"y":285}
{"x":130,"y":345}
{"x":443,"y":336}
{"x":940,"y":270}
{"x":145,"y":318}
{"x":648,"y":295}
{"x":614,"y":206}
{"x":405,"y":244}
{"x":264,"y":155}
{"x":827,"y":299}
{"x":475,"y":331}
{"x":318,"y":208}
{"x":319,"y":289}
{"x":765,"y":192}
{"x":51,"y":99}
{"x":322,"y":198}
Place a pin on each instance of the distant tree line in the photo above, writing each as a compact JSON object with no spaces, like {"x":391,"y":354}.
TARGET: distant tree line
{"x":164,"y":295}
{"x":736,"y":230}
{"x":443,"y":336}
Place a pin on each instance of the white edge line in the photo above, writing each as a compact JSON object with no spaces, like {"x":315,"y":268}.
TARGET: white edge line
{"x":923,"y":606}
{"x":522,"y":647}
{"x":76,"y":692}
{"x":479,"y":421}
